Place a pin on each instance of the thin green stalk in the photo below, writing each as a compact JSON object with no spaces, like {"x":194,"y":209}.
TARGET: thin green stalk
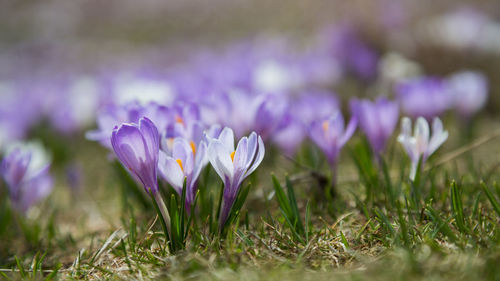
{"x":162,"y":210}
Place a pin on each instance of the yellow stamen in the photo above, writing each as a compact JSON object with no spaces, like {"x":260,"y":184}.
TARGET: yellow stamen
{"x":232,"y":155}
{"x":193,"y":146}
{"x":179,"y":120}
{"x":170,"y":142}
{"x":179,"y":161}
{"x":325,"y":126}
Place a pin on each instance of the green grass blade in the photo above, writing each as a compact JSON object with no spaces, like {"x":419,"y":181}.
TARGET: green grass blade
{"x":295,"y":209}
{"x":491,"y":198}
{"x":281,"y":197}
{"x":457,"y":207}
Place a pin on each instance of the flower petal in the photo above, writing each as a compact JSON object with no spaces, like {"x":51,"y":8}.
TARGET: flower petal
{"x":260,"y":151}
{"x":220,"y":158}
{"x":439,"y":136}
{"x":171,"y":171}
{"x":227,"y":138}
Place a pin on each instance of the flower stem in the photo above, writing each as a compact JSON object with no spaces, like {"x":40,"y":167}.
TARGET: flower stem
{"x":162,"y":210}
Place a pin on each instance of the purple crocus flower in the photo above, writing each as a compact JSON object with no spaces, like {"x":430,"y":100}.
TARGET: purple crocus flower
{"x":331,"y":135}
{"x":137,"y":147}
{"x":470,"y":92}
{"x":427,"y":97}
{"x":187,"y":162}
{"x":233,"y":166}
{"x":377,"y":120}
{"x":421,"y":144}
{"x":27,"y":177}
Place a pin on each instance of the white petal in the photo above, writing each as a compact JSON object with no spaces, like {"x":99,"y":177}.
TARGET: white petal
{"x":258,"y":158}
{"x":241,"y":154}
{"x":252,"y":147}
{"x":182,"y":150}
{"x":171,"y":171}
{"x":201,"y":160}
{"x":220,"y":158}
{"x":422,"y":129}
{"x":406,"y":127}
{"x":227,"y":138}
{"x":439,"y":136}
{"x":421,"y":136}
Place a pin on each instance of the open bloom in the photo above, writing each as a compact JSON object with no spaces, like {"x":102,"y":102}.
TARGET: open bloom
{"x":137,"y":147}
{"x":186,"y":162}
{"x":377,"y":120}
{"x":234,"y":165}
{"x":331,"y":135}
{"x":421,"y":144}
{"x":26,"y":173}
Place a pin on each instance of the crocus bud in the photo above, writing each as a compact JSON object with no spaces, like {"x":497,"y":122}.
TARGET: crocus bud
{"x":137,"y":148}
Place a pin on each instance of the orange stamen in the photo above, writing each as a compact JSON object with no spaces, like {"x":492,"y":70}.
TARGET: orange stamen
{"x":179,"y":161}
{"x":179,"y":120}
{"x":232,"y":155}
{"x":193,"y":146}
{"x":325,"y":126}
{"x":170,"y":142}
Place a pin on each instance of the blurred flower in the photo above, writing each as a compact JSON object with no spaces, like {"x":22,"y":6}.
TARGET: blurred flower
{"x":470,"y":92}
{"x":315,"y":104}
{"x":377,"y":120}
{"x":143,"y":89}
{"x":427,"y":97}
{"x":233,"y":166}
{"x":421,"y":144}
{"x":352,"y":52}
{"x":237,"y":109}
{"x":112,"y":116}
{"x":330,"y":135}
{"x":394,"y":67}
{"x":137,"y":148}
{"x":290,"y":135}
{"x":73,"y":106}
{"x":269,"y":115}
{"x":15,"y":98}
{"x":464,"y":28}
{"x":25,"y":169}
{"x":271,"y":76}
{"x":186,"y":162}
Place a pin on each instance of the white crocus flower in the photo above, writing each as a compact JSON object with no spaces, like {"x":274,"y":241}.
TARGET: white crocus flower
{"x":421,"y":144}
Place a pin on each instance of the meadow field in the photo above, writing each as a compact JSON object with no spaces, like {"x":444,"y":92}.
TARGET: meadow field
{"x":249,"y":140}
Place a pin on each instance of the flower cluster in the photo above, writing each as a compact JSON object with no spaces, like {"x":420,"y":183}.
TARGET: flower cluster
{"x":137,"y":147}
